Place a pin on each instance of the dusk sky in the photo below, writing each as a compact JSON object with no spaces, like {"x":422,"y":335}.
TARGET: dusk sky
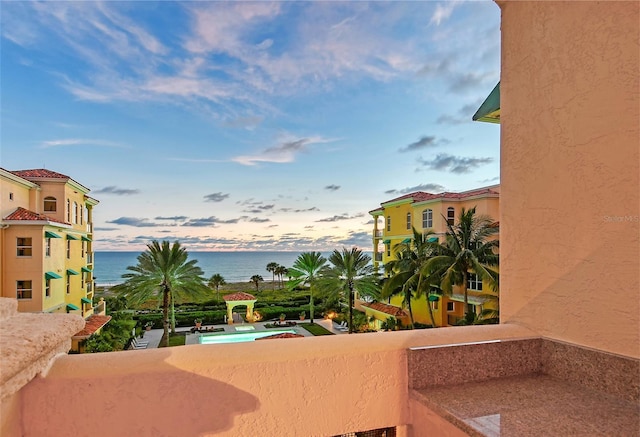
{"x":249,"y":125}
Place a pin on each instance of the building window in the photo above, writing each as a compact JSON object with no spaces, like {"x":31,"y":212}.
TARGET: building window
{"x":24,"y":247}
{"x":388,"y":249}
{"x":50,"y":204}
{"x":47,"y":287}
{"x":83,"y":249}
{"x":473,"y":283}
{"x":68,"y":249}
{"x":427,"y":219}
{"x":81,"y":214}
{"x":75,"y":213}
{"x":451,"y":306}
{"x":10,"y":196}
{"x":451,"y":215}
{"x":47,"y":247}
{"x":82,"y":281}
{"x":23,"y":289}
{"x":408,"y":220}
{"x":68,"y":211}
{"x":388,"y":223}
{"x":68,"y":284}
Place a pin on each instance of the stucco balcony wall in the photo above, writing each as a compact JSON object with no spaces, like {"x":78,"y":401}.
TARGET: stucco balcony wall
{"x":318,"y":386}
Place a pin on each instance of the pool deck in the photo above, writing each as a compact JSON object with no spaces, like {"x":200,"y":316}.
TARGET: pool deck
{"x":155,"y":335}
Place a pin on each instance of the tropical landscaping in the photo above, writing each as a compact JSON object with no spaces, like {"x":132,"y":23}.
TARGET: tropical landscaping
{"x":165,"y":289}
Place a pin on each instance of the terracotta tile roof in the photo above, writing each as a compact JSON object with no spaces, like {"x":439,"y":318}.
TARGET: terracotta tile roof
{"x":92,"y":324}
{"x":24,"y":214}
{"x":39,"y":173}
{"x":385,"y":308}
{"x":238,"y":296}
{"x":283,"y":335}
{"x":421,"y":196}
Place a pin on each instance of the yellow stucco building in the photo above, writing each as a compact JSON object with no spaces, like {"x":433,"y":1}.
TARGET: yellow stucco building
{"x":394,"y":222}
{"x":46,"y":243}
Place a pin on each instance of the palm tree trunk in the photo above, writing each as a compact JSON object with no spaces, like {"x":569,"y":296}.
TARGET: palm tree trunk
{"x":165,"y":316}
{"x":311,"y":303}
{"x":173,"y":315}
{"x":350,"y":307}
{"x":466,"y":295}
{"x":433,"y":320}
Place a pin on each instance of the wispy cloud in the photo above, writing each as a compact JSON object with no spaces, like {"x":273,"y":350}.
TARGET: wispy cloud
{"x":454,"y":164}
{"x":341,"y":217}
{"x":133,"y":221}
{"x":424,"y":142}
{"x":178,"y":218}
{"x":284,"y":152}
{"x":79,"y":142}
{"x":216,"y":197}
{"x":332,"y":187}
{"x":112,"y":189}
{"x":443,"y":12}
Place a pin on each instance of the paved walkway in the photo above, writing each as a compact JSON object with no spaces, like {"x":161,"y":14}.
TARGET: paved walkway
{"x":155,"y":335}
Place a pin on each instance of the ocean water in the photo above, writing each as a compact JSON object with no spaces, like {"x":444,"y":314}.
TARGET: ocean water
{"x":233,"y":266}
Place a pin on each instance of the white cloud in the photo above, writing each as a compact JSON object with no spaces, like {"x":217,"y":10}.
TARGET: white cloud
{"x":79,"y":142}
{"x":284,"y":152}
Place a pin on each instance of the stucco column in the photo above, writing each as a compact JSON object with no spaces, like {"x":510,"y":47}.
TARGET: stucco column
{"x":229,"y":313}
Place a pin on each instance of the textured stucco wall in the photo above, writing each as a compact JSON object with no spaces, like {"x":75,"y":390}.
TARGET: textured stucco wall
{"x":570,"y":171}
{"x":317,"y":386}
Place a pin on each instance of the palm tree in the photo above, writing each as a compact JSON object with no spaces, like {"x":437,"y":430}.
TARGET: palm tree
{"x":404,"y":274}
{"x":163,"y":271}
{"x":271,"y":267}
{"x":281,"y":271}
{"x":469,"y":247}
{"x":305,"y":271}
{"x":216,"y":281}
{"x":256,"y":279}
{"x":350,"y":270}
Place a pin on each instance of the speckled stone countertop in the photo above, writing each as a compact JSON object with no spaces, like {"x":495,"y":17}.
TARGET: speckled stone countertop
{"x":531,"y":405}
{"x":528,"y":387}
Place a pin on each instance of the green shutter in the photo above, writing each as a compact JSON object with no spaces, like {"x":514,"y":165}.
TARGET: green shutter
{"x":72,"y":272}
{"x":85,"y":300}
{"x":71,"y":237}
{"x":86,"y":269}
{"x":85,"y":238}
{"x":71,"y":306}
{"x":49,"y":234}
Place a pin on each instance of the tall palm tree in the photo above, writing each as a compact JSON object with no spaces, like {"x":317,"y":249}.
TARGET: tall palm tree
{"x":215,"y":281}
{"x":404,"y":273}
{"x":163,"y":270}
{"x":280,"y":271}
{"x":470,"y":246}
{"x":350,"y":270}
{"x":305,"y":271}
{"x":271,"y":267}
{"x":256,"y":279}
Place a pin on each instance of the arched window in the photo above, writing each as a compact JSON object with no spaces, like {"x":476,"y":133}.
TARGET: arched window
{"x":451,"y":215}
{"x":427,"y":219}
{"x":388,"y":223}
{"x":75,"y":212}
{"x":50,"y":204}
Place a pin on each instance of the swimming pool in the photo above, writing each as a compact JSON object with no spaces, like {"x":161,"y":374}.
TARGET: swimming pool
{"x":240,"y":337}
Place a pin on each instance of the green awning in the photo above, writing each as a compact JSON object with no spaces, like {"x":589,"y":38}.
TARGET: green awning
{"x":52,"y":275}
{"x":85,"y":300}
{"x":84,"y":238}
{"x":406,"y":240}
{"x":72,"y":272}
{"x":71,"y":306}
{"x":489,"y":111}
{"x":71,"y":237}
{"x":49,"y":234}
{"x":434,"y":298}
{"x":432,"y":239}
{"x":86,"y":269}
{"x":387,"y":241}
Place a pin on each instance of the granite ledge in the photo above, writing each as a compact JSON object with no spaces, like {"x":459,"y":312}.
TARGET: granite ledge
{"x":29,"y":342}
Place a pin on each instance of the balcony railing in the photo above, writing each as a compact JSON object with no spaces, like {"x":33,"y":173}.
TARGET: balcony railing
{"x":377,"y":233}
{"x":100,"y":308}
{"x":89,"y":258}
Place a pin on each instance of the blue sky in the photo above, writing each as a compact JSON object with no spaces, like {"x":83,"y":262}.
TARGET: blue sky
{"x":249,"y":125}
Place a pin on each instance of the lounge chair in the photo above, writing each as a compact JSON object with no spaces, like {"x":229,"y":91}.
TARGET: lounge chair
{"x":342,"y":326}
{"x":137,"y":344}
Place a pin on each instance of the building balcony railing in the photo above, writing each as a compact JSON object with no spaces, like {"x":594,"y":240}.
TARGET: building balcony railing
{"x":100,"y":308}
{"x":89,"y":258}
{"x":377,"y":233}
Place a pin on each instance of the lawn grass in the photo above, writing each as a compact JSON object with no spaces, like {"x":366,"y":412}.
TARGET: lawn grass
{"x":177,"y":339}
{"x":316,"y":329}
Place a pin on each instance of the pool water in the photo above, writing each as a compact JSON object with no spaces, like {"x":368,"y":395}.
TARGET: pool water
{"x":240,"y":337}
